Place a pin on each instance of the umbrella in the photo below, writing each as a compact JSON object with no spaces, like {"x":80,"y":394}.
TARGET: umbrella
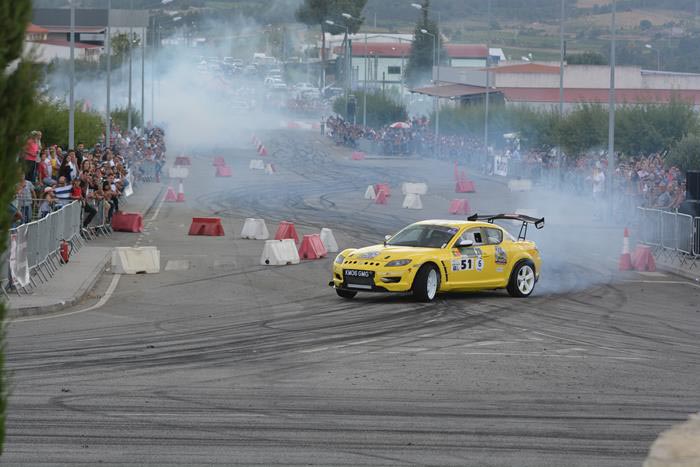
{"x":400,"y":125}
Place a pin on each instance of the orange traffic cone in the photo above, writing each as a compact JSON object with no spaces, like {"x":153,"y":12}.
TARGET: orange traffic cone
{"x":180,"y":193}
{"x":625,"y":257}
{"x":170,"y":195}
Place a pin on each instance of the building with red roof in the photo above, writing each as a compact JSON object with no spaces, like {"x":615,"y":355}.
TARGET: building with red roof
{"x":537,"y":85}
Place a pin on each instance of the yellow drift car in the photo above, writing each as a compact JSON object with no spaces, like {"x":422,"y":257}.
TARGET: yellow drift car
{"x":435,"y":256}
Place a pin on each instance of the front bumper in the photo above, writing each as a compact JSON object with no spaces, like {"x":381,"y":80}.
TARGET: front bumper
{"x":393,"y":279}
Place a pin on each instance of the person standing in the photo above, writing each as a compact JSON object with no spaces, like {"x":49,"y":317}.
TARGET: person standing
{"x":31,"y":154}
{"x":598,"y":185}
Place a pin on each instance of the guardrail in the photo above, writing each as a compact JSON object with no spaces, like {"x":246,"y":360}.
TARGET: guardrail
{"x":41,"y":241}
{"x":671,"y":232}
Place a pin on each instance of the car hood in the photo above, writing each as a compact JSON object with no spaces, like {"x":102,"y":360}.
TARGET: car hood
{"x":386,"y":253}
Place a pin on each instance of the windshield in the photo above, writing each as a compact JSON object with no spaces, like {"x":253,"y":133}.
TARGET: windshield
{"x":422,"y":235}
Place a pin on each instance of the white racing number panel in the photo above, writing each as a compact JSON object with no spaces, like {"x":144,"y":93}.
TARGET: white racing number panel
{"x":468,"y":263}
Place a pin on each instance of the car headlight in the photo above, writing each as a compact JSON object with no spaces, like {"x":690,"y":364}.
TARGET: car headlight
{"x":398,"y":262}
{"x":339,"y":259}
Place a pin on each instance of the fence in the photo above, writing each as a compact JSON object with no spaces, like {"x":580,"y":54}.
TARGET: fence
{"x":42,"y":246}
{"x":671,"y":233}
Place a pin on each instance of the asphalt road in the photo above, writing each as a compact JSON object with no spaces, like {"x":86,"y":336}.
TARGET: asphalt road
{"x":220,"y":360}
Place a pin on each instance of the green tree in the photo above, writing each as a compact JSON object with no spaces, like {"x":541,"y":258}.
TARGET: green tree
{"x":686,"y":154}
{"x":52,"y":119}
{"x":317,"y":12}
{"x":120,"y":117}
{"x":586,"y":58}
{"x":17,"y":92}
{"x":381,"y":109}
{"x":584,"y":128}
{"x":420,"y":61}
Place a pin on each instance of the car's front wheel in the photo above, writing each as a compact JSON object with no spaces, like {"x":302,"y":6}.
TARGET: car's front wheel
{"x":347,"y":294}
{"x":522,"y":280}
{"x":427,"y":283}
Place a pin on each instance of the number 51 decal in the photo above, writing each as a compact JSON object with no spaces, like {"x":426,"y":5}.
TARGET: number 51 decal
{"x":468,"y":263}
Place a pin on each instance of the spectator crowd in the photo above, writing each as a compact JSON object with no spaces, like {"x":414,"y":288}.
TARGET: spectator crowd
{"x":643,"y":180}
{"x":96,"y":177}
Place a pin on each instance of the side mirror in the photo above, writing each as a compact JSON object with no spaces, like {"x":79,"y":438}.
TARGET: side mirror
{"x":463,"y":242}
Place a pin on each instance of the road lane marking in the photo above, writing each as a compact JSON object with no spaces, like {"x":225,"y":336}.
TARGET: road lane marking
{"x":155,"y":214}
{"x":108,"y":293}
{"x":177,"y":265}
{"x":692,"y":284}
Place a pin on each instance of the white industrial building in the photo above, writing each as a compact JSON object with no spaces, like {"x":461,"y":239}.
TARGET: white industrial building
{"x":537,"y":85}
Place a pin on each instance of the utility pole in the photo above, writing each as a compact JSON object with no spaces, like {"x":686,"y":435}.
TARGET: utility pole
{"x":364,"y":92}
{"x":488,"y":84}
{"x":561,"y":85}
{"x":131,"y":43}
{"x":611,"y":116}
{"x":108,"y":132}
{"x":143,"y":79}
{"x":437,"y":109}
{"x":71,"y":99}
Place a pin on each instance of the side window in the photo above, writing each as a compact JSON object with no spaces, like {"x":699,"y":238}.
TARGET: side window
{"x":493,"y":236}
{"x":474,"y":235}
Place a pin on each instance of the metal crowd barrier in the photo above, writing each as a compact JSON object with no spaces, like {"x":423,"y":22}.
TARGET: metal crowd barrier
{"x":671,"y":232}
{"x":44,"y":238}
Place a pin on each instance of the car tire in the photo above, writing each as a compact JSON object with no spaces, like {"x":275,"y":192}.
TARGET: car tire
{"x":426,"y":283}
{"x":522,"y":279}
{"x":346,"y":294}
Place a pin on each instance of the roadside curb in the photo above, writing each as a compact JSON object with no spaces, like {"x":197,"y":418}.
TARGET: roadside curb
{"x":83,"y":290}
{"x":79,"y":295}
{"x":693,"y":276}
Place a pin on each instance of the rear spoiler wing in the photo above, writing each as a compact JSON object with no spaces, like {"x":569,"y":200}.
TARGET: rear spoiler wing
{"x":538,"y":222}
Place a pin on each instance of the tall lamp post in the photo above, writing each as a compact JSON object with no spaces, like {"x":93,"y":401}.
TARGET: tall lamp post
{"x":347,"y":56}
{"x":131,"y":44}
{"x":108,"y":129}
{"x":561,"y":85}
{"x":436,"y":106}
{"x":658,"y":55}
{"x":611,"y":115}
{"x":71,"y":99}
{"x":436,"y":63}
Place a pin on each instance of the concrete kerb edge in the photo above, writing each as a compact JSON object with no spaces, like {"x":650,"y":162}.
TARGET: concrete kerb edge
{"x":693,"y":276}
{"x":83,"y":290}
{"x":80,"y":294}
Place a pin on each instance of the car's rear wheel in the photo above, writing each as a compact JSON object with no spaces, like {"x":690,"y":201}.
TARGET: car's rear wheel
{"x":427,"y":283}
{"x":522,"y":280}
{"x":347,"y":294}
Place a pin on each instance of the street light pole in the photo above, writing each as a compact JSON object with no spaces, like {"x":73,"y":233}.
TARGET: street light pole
{"x":108,"y":131}
{"x":435,"y":97}
{"x":611,"y":114}
{"x":143,"y":79}
{"x":131,"y":38}
{"x":71,"y":99}
{"x":488,"y":88}
{"x":561,"y":85}
{"x":658,"y":55}
{"x":364,"y":93}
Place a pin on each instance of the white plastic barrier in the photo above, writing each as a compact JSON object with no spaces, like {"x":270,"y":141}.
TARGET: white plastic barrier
{"x":255,"y":229}
{"x":130,"y":260}
{"x":256,"y":164}
{"x":677,"y":446}
{"x":269,"y":170}
{"x":279,"y":253}
{"x":520,"y":185}
{"x":412,"y":201}
{"x":369,"y":193}
{"x":179,"y":172}
{"x":408,"y":188}
{"x":329,"y":240}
